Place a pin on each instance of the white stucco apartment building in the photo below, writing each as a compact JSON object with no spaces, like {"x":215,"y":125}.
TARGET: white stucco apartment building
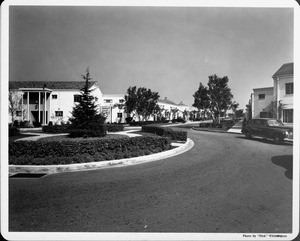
{"x":276,"y":101}
{"x":261,"y":102}
{"x":49,"y":101}
{"x":62,"y":96}
{"x":283,"y":81}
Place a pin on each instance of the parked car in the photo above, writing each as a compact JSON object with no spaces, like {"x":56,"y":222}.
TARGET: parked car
{"x":267,"y":128}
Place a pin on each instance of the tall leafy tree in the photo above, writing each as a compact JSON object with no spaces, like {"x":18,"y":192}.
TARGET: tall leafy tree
{"x":220,"y":95}
{"x":147,"y":101}
{"x":142,"y":101}
{"x":130,"y":100}
{"x":85,"y":114}
{"x":234,"y":105}
{"x":201,"y":98}
{"x":15,"y":104}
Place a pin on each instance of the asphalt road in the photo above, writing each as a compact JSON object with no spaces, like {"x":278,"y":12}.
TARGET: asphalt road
{"x":226,"y":183}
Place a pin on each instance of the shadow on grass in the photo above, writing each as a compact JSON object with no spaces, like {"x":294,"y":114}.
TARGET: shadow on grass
{"x":285,"y":161}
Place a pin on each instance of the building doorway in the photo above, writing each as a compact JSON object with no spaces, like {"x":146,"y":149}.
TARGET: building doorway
{"x":35,"y":115}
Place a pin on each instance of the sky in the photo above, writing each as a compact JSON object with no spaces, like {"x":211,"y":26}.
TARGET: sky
{"x":167,"y":49}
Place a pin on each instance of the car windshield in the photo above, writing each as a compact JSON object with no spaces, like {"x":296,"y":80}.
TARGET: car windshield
{"x":275,"y":123}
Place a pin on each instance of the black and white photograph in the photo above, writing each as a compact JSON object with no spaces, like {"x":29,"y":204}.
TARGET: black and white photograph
{"x":149,"y":120}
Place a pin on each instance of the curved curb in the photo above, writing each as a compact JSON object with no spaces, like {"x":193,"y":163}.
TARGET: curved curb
{"x":50,"y":169}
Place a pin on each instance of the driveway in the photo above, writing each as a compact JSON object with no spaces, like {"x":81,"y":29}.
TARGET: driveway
{"x":226,"y":183}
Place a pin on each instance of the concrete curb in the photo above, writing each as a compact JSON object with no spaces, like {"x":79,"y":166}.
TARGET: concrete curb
{"x":50,"y":169}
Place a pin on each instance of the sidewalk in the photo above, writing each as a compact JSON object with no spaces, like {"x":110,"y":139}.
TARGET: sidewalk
{"x":237,"y":128}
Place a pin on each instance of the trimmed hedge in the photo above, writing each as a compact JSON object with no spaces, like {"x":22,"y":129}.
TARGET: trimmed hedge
{"x":223,"y":124}
{"x":66,"y":128}
{"x":114,"y":127}
{"x":56,"y":128}
{"x":84,"y":150}
{"x":100,"y":132}
{"x":166,"y":132}
{"x":13,"y":131}
{"x":142,"y":123}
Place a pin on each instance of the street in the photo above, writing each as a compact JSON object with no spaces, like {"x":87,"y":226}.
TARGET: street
{"x":226,"y":183}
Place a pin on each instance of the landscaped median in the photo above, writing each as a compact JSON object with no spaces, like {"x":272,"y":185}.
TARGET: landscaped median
{"x":58,"y":168}
{"x":61,"y":153}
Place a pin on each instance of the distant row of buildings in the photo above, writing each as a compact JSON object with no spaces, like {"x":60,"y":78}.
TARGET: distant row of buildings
{"x":39,"y":101}
{"x":276,"y":101}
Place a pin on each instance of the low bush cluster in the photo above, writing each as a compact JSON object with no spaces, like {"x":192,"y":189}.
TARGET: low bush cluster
{"x":142,"y":123}
{"x":13,"y":131}
{"x":84,"y":150}
{"x":179,"y":119}
{"x":91,"y":131}
{"x":56,"y":128}
{"x":114,"y":127}
{"x":166,"y":132}
{"x":23,"y":124}
{"x":99,"y":132}
{"x":223,"y":124}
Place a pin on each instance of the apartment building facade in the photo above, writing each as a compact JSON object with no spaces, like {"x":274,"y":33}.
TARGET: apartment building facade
{"x":43,"y":102}
{"x":277,"y":101}
{"x":283,"y":81}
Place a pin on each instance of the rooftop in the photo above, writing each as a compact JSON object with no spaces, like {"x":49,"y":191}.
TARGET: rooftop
{"x":166,"y":101}
{"x":72,"y":85}
{"x":285,"y":69}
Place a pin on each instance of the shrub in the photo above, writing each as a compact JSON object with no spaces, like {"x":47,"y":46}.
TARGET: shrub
{"x":84,"y":150}
{"x":50,"y":123}
{"x":16,"y":123}
{"x":13,"y":131}
{"x":142,"y":123}
{"x":56,"y":129}
{"x":204,"y":125}
{"x":37,"y":124}
{"x":27,"y":124}
{"x":114,"y":127}
{"x":99,"y":132}
{"x":179,"y":119}
{"x":128,"y":120}
{"x":166,"y":132}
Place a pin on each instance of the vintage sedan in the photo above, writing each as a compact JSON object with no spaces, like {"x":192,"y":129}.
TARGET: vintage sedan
{"x":268,"y":129}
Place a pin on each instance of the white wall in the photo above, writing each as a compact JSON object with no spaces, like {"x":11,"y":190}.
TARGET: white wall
{"x":261,"y":105}
{"x":110,"y":109}
{"x":279,"y":86}
{"x":65,"y":102}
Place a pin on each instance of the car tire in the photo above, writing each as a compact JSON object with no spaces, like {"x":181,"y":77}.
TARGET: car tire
{"x":248,"y":135}
{"x":278,"y":140}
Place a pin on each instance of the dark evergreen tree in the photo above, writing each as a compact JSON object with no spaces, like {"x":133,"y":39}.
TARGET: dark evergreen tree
{"x":85,"y":114}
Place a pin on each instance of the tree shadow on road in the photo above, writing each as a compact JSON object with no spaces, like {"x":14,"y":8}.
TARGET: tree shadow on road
{"x":286,"y":162}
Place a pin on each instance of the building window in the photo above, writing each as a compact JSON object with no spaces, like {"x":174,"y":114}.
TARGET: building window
{"x":121,"y":101}
{"x":263,"y":114}
{"x":108,"y":101}
{"x":58,"y":113}
{"x":18,"y":113}
{"x":289,"y":88}
{"x":119,"y":115}
{"x":288,"y":115}
{"x":261,"y":96}
{"x":77,"y":98}
{"x":54,"y":97}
